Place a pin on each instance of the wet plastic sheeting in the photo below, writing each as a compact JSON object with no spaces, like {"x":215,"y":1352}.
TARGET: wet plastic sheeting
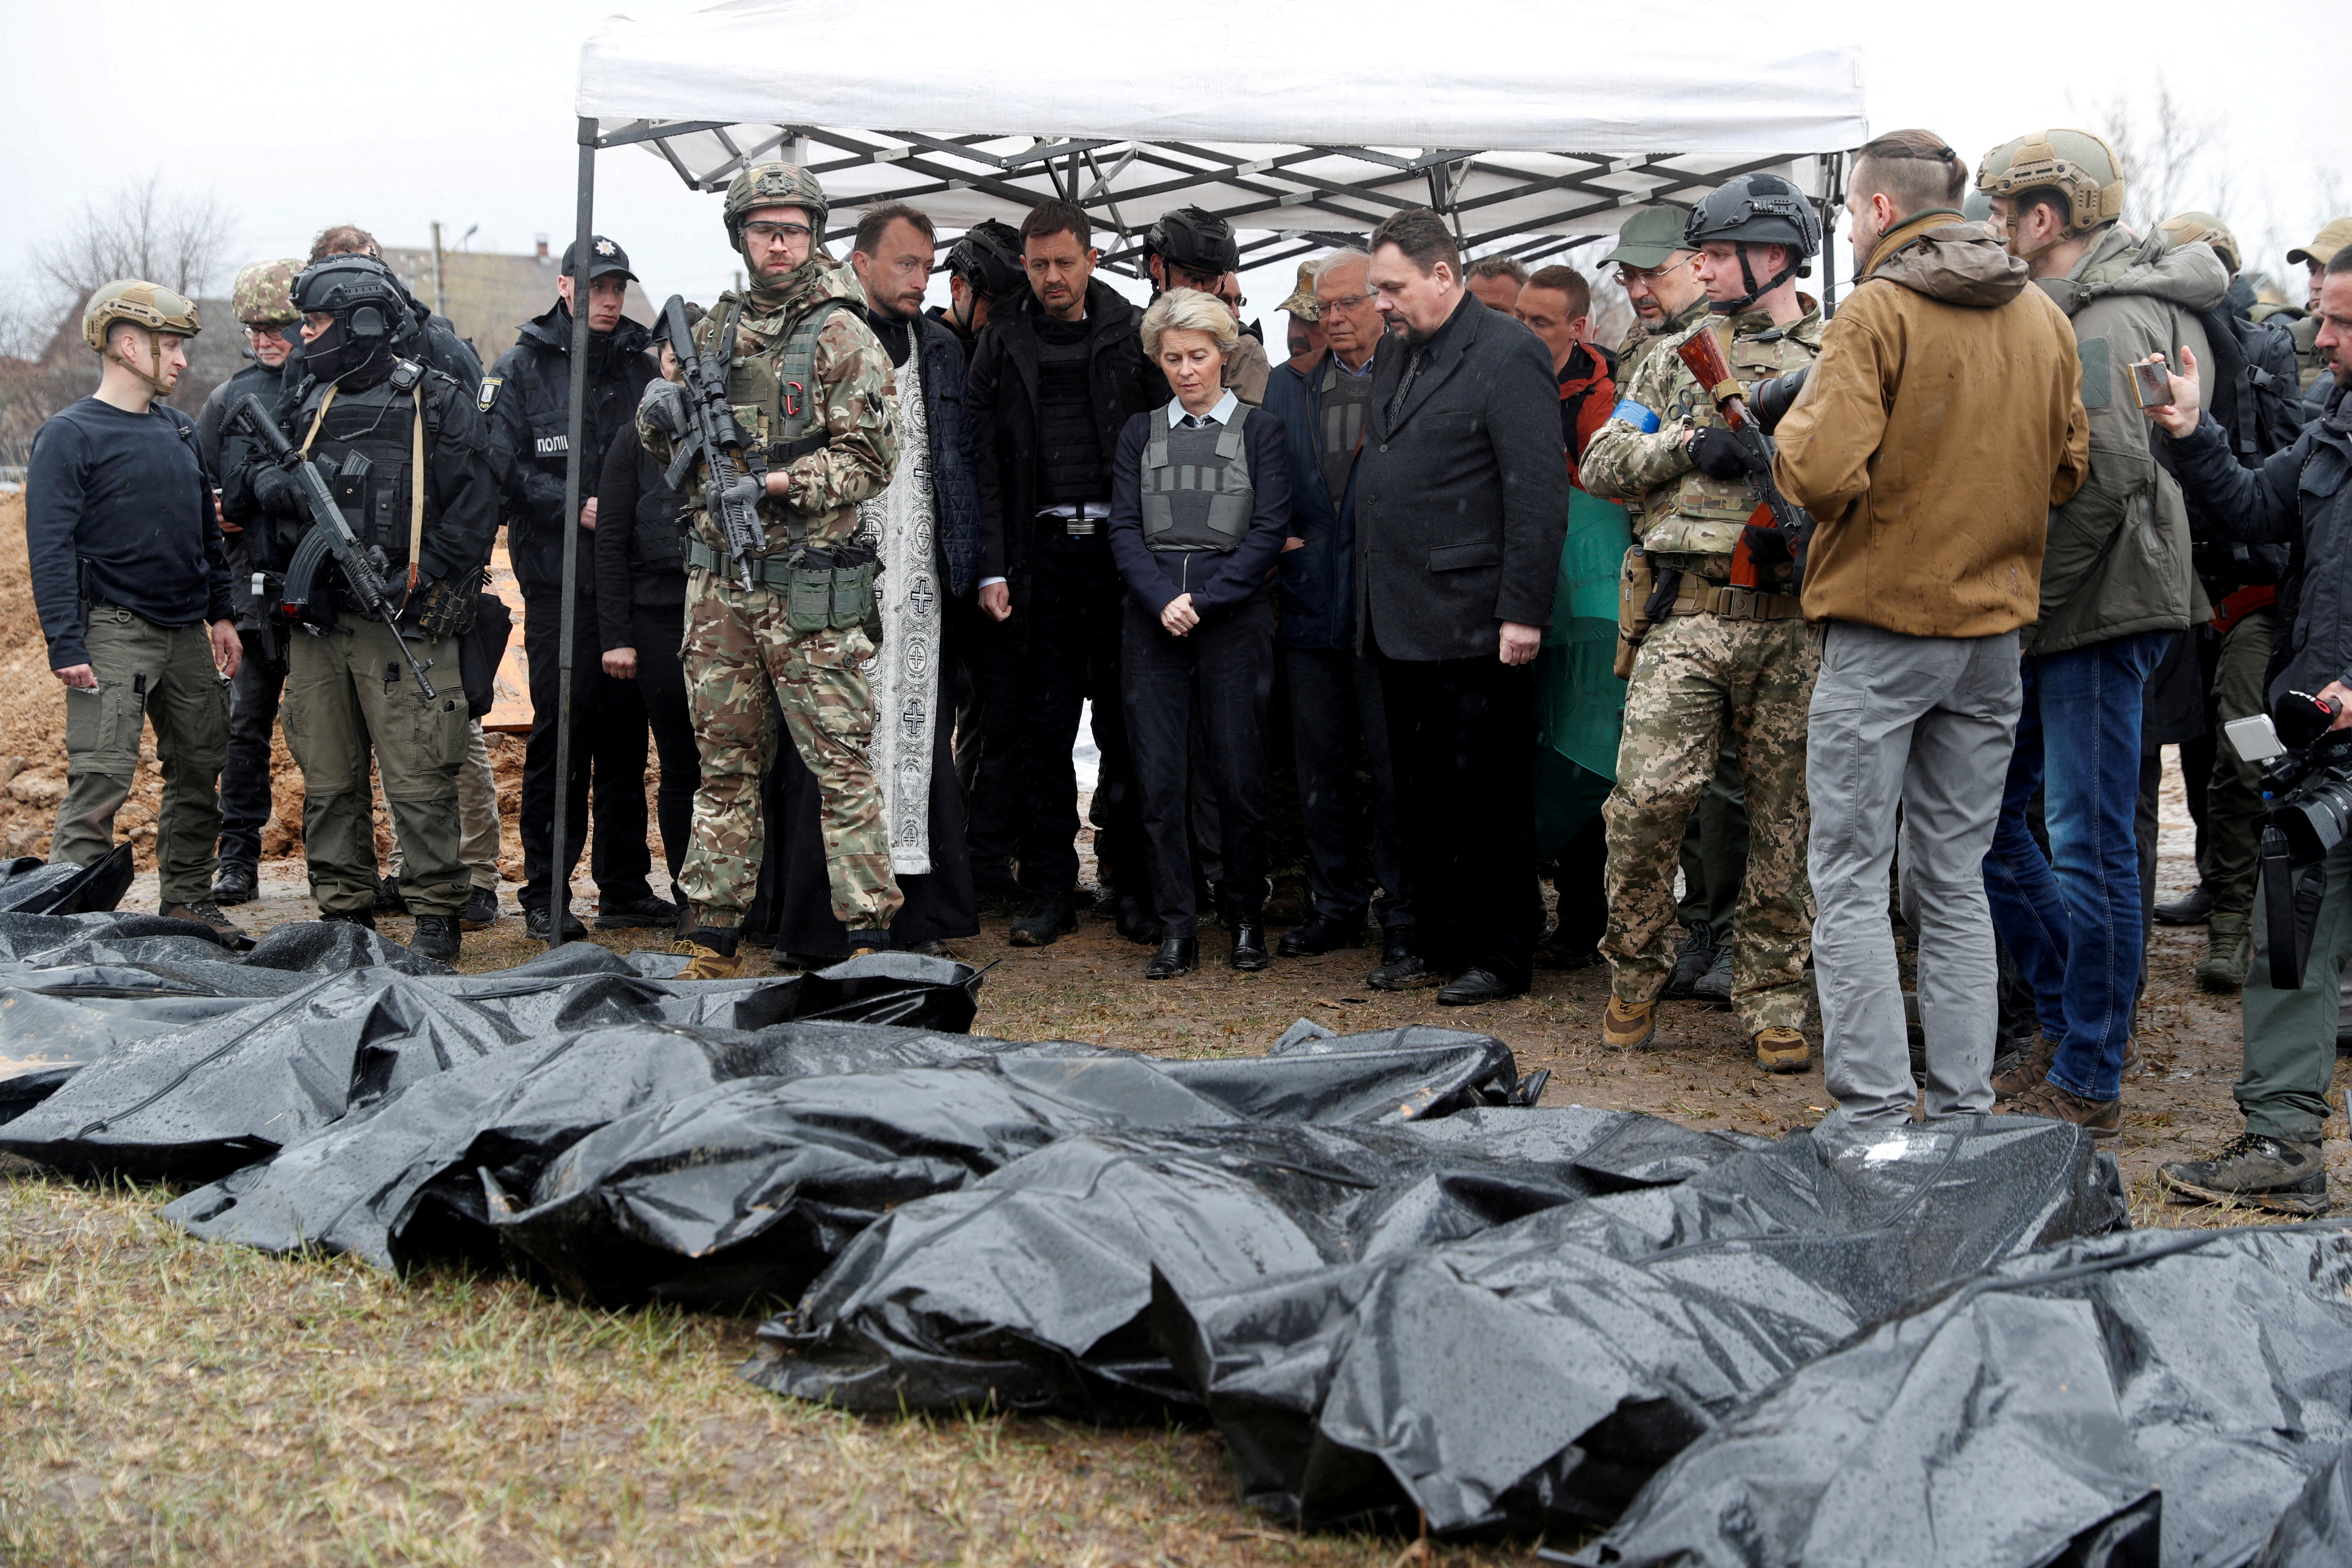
{"x":1031,"y":1288}
{"x":200,"y":1100}
{"x":1535,"y":1373}
{"x":408,"y":1182}
{"x":33,"y":886}
{"x":746,"y":1192}
{"x":2161,"y":1397}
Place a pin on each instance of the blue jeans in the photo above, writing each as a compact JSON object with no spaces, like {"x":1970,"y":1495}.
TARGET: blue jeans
{"x":2072,"y":917}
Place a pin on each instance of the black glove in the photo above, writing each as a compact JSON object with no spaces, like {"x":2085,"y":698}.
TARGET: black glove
{"x":442,"y":609}
{"x":278,"y":492}
{"x":1717,"y":455}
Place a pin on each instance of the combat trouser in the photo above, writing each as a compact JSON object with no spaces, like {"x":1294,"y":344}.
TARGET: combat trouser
{"x":1713,"y":855}
{"x":743,"y":663}
{"x":2233,"y":795}
{"x":164,"y":676}
{"x":478,"y":817}
{"x":1697,"y":678}
{"x":344,"y":692}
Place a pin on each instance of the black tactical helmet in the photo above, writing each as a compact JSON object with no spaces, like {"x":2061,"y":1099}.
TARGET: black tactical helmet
{"x":1756,"y":209}
{"x":361,"y":292}
{"x":987,"y":259}
{"x":1195,"y":239}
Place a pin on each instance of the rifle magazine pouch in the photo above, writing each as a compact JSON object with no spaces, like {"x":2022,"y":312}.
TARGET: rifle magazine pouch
{"x":808,"y":594}
{"x":1635,"y":582}
{"x":853,"y":595}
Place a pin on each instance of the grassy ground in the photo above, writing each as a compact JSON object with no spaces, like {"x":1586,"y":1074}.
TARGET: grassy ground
{"x":162,"y":1400}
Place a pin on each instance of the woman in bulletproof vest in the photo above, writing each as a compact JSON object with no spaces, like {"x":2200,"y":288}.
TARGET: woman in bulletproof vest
{"x":641,"y":615}
{"x":1200,"y":510}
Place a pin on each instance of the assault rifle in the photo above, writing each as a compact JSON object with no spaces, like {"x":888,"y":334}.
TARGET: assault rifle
{"x":328,"y":535}
{"x":1791,"y":531}
{"x":738,"y":478}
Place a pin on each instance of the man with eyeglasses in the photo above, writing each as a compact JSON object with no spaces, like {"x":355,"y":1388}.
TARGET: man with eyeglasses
{"x":1335,"y":691}
{"x":1660,"y":275}
{"x":811,"y":384}
{"x":264,"y":299}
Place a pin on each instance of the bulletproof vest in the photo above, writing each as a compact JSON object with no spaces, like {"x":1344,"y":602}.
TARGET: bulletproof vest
{"x":1694,"y":514}
{"x":1070,"y":461}
{"x":1196,"y":485}
{"x":365,"y":446}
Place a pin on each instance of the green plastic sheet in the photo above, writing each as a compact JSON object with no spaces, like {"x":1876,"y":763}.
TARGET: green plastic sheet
{"x":1580,"y":702}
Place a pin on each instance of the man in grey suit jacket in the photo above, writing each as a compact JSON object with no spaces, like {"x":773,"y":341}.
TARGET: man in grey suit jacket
{"x":1462,"y":506}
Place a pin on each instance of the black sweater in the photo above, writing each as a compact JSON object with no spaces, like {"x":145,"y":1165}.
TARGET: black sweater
{"x":125,"y":497}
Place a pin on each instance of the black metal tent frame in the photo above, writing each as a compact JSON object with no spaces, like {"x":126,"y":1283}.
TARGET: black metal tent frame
{"x":1499,"y":203}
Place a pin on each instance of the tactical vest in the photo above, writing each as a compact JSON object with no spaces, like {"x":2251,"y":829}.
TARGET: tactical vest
{"x":366,"y":446}
{"x":1070,"y":464}
{"x":1695,"y":515}
{"x":1196,"y":485}
{"x":773,"y":395}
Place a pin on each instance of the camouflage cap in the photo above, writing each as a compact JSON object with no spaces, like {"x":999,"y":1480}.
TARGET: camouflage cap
{"x":1301,"y":303}
{"x":2078,"y":163}
{"x":1651,"y":238}
{"x":264,"y":294}
{"x":2334,"y":236}
{"x":142,"y":304}
{"x":775,"y":186}
{"x":2187,"y":228}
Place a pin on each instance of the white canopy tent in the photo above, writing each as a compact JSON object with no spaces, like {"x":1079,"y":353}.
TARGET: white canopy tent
{"x":1130,"y":113}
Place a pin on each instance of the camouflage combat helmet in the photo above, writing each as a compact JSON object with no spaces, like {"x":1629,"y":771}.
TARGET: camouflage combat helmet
{"x":263,"y":295}
{"x":775,"y":186}
{"x":2077,"y":163}
{"x":2187,"y":228}
{"x":148,"y":305}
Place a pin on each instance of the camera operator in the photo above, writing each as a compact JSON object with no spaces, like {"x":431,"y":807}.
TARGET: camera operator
{"x":2297,"y":497}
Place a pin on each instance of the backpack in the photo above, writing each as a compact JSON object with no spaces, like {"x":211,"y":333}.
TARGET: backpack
{"x":2254,"y":392}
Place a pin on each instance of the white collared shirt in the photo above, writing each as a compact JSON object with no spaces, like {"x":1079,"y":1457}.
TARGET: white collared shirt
{"x":1222,"y":413}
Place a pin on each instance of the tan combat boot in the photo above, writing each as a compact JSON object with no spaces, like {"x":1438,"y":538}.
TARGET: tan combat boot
{"x":1782,"y":1050}
{"x":1628,"y":1028}
{"x":710,"y":955}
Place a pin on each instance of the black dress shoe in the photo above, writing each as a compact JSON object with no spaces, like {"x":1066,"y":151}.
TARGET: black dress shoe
{"x":1319,"y":934}
{"x":536,"y":923}
{"x":1474,"y":986}
{"x":1177,"y":955}
{"x":1137,"y":920}
{"x":1249,"y":945}
{"x":1005,"y":896}
{"x":1396,"y":942}
{"x":2191,"y":909}
{"x":642,"y":910}
{"x":236,"y":883}
{"x":1048,"y":918}
{"x":1692,"y":961}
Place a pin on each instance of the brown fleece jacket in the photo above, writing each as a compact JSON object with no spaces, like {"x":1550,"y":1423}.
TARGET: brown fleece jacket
{"x":1942,"y":422}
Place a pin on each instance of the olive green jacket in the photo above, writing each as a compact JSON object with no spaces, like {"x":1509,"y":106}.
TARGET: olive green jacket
{"x":2117,"y":560}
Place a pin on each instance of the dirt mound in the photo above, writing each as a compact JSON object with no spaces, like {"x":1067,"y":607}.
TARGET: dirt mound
{"x":33,"y":745}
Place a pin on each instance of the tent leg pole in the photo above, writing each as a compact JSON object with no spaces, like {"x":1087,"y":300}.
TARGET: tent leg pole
{"x":559,"y":895}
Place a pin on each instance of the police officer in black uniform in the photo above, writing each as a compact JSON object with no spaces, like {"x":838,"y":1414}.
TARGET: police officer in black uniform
{"x":527,"y":398}
{"x":413,"y":476}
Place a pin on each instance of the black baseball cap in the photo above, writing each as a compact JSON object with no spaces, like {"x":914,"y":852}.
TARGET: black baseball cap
{"x":604,"y":259}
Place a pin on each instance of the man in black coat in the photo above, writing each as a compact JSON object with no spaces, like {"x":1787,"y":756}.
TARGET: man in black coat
{"x":1461,"y":509}
{"x":1053,"y":380}
{"x":526,"y":402}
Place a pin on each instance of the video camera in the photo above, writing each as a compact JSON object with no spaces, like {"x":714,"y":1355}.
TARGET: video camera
{"x":2306,"y":779}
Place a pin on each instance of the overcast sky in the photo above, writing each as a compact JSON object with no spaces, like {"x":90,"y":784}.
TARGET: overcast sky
{"x":298,"y":115}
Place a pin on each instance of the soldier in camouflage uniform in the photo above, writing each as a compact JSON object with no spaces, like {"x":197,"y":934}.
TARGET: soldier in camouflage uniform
{"x":744,"y":656}
{"x":1724,"y":657}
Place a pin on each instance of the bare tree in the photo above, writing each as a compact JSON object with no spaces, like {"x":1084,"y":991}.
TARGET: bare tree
{"x":179,"y":242}
{"x":2166,"y":155}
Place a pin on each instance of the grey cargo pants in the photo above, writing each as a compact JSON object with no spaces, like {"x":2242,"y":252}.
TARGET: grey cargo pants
{"x":1924,"y":724}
